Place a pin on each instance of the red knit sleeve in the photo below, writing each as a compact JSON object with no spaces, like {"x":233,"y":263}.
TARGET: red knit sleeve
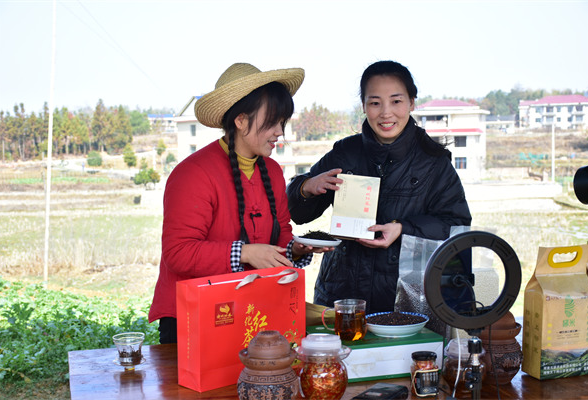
{"x":190,"y":209}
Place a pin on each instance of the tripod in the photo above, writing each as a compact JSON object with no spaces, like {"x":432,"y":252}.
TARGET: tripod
{"x":473,"y":377}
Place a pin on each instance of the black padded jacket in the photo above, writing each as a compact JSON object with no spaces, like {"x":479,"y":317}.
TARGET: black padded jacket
{"x":419,"y":188}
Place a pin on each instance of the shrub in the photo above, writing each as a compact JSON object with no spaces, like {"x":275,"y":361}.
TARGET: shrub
{"x":160,"y":147}
{"x":146,"y":176}
{"x":94,"y":159}
{"x":170,"y":158}
{"x":129,"y":156}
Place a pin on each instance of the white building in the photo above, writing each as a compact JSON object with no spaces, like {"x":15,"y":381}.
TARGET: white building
{"x":463,"y":127}
{"x":192,"y":135}
{"x":565,"y":111}
{"x":162,"y":123}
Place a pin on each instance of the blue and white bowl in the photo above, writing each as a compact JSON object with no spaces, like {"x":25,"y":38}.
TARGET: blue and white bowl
{"x":396,"y":331}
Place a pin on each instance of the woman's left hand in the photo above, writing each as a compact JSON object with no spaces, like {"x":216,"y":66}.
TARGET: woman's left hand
{"x":299,"y":249}
{"x":390,"y":232}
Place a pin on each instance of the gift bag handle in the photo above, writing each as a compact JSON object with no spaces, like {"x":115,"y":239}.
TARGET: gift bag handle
{"x":571,"y":251}
{"x":289,"y":275}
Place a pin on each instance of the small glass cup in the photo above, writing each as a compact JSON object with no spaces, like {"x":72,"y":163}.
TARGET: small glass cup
{"x":350,"y":323}
{"x":129,"y":345}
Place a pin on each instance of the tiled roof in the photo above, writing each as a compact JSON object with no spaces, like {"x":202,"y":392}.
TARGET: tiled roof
{"x":561,"y":99}
{"x":160,"y":115}
{"x":445,"y":103}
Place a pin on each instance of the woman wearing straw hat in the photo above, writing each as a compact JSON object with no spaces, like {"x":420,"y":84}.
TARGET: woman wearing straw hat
{"x":225,"y":206}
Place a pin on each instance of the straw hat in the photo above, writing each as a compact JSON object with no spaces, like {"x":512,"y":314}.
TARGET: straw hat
{"x":236,"y":82}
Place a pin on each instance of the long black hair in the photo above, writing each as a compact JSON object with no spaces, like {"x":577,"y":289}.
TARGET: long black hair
{"x":279,"y":109}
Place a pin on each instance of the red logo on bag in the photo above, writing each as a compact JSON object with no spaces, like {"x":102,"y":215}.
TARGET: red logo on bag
{"x":224,"y":314}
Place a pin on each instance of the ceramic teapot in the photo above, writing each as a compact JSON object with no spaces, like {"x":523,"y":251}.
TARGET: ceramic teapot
{"x":268,"y":372}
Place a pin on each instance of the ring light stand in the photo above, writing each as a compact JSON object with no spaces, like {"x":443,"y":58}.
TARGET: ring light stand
{"x":472,"y":319}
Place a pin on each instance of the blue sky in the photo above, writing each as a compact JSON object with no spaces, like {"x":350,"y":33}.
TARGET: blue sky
{"x":160,"y":53}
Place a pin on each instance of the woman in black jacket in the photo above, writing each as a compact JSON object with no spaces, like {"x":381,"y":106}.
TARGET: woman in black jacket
{"x":420,"y":191}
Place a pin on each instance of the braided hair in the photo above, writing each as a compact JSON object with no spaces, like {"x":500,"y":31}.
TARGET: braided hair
{"x":279,"y":109}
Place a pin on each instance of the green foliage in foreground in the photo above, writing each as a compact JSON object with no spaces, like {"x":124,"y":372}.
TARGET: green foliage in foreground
{"x":38,"y":327}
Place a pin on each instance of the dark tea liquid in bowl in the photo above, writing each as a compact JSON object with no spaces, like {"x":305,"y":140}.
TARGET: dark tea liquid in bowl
{"x":350,"y":326}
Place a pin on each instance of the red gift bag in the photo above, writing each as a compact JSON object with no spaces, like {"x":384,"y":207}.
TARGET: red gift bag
{"x":219,"y":315}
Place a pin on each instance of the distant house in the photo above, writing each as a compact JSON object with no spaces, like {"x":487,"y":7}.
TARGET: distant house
{"x":564,"y":112}
{"x":501,"y":123}
{"x":192,"y":135}
{"x":162,"y":123}
{"x":463,"y":127}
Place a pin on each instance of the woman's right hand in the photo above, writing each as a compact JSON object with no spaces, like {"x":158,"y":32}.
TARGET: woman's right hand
{"x":262,"y":256}
{"x":319,"y":184}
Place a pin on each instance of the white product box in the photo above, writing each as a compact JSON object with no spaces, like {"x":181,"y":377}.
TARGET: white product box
{"x":355,"y":206}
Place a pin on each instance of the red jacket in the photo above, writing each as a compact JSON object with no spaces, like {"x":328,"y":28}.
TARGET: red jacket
{"x":201,"y":220}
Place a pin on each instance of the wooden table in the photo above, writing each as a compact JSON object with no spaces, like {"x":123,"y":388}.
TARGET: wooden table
{"x":94,"y":375}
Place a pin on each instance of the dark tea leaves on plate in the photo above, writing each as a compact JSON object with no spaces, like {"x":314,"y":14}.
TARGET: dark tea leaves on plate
{"x":319,"y":235}
{"x":394,"y":318}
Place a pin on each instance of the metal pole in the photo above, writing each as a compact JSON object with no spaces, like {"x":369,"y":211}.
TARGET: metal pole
{"x":49,"y":148}
{"x":553,"y":151}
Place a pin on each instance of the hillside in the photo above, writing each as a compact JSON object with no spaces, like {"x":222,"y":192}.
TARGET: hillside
{"x":149,"y":142}
{"x":534,"y":151}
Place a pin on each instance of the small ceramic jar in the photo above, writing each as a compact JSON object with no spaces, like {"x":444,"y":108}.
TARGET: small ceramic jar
{"x":268,"y":373}
{"x":500,"y":341}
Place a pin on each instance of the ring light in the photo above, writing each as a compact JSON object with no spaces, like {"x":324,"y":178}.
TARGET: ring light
{"x":581,"y":184}
{"x":476,"y":318}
